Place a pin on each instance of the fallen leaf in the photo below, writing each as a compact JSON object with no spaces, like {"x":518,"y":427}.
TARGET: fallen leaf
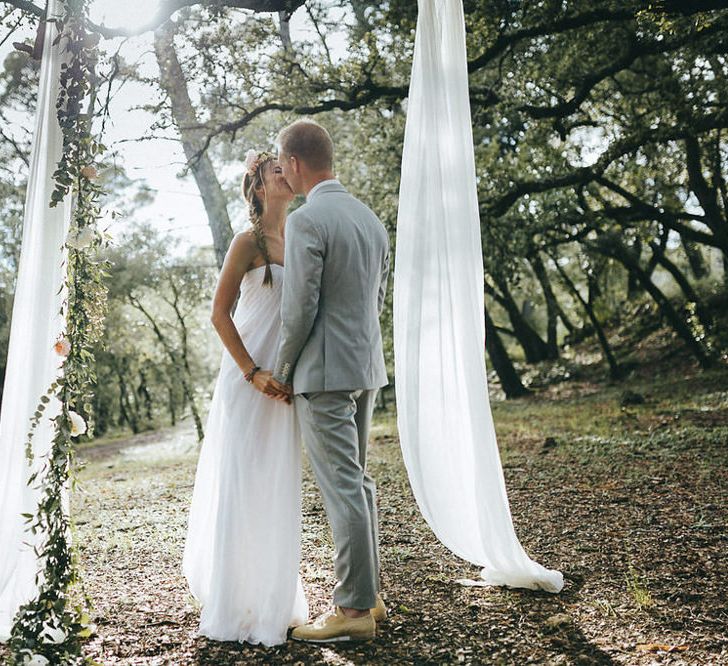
{"x":660,"y":647}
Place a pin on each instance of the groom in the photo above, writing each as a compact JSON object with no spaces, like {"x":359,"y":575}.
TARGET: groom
{"x":330,"y":359}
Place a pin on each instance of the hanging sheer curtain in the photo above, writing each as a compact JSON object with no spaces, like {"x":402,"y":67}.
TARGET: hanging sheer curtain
{"x":36,"y":323}
{"x":445,"y":422}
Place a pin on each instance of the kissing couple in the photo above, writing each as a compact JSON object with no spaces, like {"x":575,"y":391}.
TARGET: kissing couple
{"x":302,"y":361}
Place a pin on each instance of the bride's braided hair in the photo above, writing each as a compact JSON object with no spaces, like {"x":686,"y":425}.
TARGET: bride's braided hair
{"x":252,"y":181}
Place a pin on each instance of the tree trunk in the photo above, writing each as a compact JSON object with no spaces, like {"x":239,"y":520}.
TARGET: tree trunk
{"x":616,"y":250}
{"x":687,"y":289}
{"x":144,"y":395}
{"x":534,"y":348}
{"x":594,"y":291}
{"x":502,"y":364}
{"x":284,"y":30}
{"x":182,"y":375}
{"x":126,"y":409}
{"x":568,"y":324}
{"x":172,"y":406}
{"x":695,"y":257}
{"x":595,"y":266}
{"x":553,"y":309}
{"x":708,"y":196}
{"x":633,"y":285}
{"x":615,"y":372}
{"x":193,"y":140}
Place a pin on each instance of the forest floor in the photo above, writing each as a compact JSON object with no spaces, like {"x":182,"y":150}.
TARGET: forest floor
{"x":628,"y":501}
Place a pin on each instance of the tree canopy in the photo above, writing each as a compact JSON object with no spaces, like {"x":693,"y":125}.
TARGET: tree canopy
{"x":599,"y":142}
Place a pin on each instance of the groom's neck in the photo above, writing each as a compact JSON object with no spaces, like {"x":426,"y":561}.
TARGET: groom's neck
{"x":311,"y":180}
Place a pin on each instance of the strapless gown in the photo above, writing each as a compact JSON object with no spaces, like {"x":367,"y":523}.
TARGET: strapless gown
{"x":243,"y":547}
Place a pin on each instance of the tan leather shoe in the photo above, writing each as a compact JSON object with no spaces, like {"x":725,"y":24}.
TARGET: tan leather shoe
{"x":379,"y":612}
{"x":334,"y":626}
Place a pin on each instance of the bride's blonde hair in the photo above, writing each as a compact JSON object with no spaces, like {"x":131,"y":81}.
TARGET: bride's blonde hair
{"x":252,"y":181}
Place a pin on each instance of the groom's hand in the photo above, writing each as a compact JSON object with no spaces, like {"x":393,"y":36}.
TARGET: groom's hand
{"x":278,"y":391}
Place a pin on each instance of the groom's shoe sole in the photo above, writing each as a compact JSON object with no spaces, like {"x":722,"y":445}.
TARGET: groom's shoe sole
{"x":335,"y":639}
{"x":335,"y":627}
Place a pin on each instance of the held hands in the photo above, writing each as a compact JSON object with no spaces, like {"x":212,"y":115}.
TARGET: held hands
{"x":274,"y":389}
{"x":263,"y":381}
{"x":260,"y":380}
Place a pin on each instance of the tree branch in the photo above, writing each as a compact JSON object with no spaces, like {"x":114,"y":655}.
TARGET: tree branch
{"x":688,"y":8}
{"x":620,"y":148}
{"x":169,"y":7}
{"x":26,"y":6}
{"x":672,"y":220}
{"x":636,"y":49}
{"x":355,"y":101}
{"x":583,"y":19}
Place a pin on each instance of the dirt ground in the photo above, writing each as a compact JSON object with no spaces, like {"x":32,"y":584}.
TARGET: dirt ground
{"x":629,"y":502}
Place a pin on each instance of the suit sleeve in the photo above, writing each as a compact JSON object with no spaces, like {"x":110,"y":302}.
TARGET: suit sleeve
{"x":304,"y":260}
{"x":383,"y":281}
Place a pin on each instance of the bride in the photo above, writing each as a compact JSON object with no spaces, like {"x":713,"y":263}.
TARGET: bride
{"x":244,"y":574}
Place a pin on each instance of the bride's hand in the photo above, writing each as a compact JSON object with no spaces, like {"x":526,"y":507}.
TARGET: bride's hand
{"x":277,"y":391}
{"x":260,"y":379}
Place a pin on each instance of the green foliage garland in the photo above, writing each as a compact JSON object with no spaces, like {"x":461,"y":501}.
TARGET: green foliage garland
{"x":51,"y":628}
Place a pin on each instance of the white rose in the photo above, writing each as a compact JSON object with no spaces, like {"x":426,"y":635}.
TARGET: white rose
{"x":250,"y":158}
{"x":35,"y":660}
{"x":78,"y":425}
{"x":53,"y":634}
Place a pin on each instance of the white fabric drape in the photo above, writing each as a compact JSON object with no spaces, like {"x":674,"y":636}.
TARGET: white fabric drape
{"x":36,"y":323}
{"x":445,"y":423}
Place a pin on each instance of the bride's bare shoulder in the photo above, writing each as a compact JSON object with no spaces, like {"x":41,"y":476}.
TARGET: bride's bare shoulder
{"x":243,"y":242}
{"x":243,"y":249}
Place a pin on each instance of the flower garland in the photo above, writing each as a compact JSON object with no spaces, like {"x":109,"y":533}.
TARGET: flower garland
{"x":51,"y":628}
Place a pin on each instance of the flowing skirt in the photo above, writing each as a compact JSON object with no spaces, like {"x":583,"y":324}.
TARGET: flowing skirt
{"x":242,"y":553}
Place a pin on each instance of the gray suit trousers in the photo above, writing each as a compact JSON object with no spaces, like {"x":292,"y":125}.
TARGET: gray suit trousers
{"x":335,"y":426}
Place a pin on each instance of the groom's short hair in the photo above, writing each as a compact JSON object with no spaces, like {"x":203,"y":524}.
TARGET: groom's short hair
{"x":309,"y":142}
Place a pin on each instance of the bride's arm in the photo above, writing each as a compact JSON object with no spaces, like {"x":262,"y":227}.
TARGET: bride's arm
{"x":238,"y":260}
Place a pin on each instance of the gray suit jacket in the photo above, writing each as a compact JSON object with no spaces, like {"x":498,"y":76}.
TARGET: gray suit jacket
{"x":335,"y":280}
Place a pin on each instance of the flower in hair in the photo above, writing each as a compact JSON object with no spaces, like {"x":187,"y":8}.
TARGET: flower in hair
{"x":251,"y":160}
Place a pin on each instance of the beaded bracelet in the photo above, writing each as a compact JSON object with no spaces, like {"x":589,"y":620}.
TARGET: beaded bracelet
{"x":251,"y":373}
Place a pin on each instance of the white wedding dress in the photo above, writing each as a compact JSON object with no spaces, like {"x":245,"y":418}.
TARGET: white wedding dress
{"x":243,"y":547}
